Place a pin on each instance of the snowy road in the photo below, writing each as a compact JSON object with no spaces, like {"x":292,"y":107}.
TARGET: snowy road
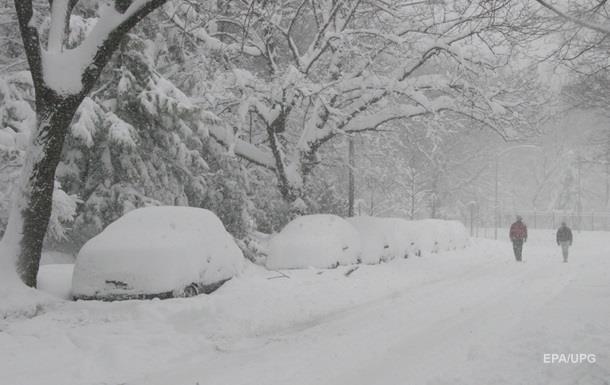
{"x":469,"y":317}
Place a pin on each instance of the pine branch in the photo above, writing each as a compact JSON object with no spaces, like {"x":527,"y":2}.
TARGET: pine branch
{"x":136,"y":11}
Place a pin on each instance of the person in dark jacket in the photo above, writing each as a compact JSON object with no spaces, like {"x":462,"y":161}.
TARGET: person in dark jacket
{"x":564,"y":239}
{"x":518,"y":236}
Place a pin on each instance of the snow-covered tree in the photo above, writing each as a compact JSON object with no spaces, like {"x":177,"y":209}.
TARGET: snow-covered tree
{"x":332,"y":68}
{"x":144,"y":137}
{"x":62,"y":77}
{"x":17,"y":120}
{"x":210,"y":103}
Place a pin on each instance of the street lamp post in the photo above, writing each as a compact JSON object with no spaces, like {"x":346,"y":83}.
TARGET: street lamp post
{"x":497,"y":161}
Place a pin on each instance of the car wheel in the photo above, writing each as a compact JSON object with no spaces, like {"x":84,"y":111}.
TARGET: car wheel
{"x":191,"y":291}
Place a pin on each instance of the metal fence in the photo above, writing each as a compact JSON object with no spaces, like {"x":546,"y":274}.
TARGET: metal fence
{"x":586,"y":221}
{"x":551,"y":220}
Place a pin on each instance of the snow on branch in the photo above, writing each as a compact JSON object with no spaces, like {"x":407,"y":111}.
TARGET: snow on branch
{"x":242,"y":148}
{"x":199,"y":32}
{"x":584,"y":23}
{"x":74,"y":71}
{"x":59,"y":15}
{"x":373,"y":121}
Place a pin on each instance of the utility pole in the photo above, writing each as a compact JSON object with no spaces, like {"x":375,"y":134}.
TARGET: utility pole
{"x":607,"y":201}
{"x":352,"y":187}
{"x":579,"y":196}
{"x":472,"y":207}
{"x":496,"y":200}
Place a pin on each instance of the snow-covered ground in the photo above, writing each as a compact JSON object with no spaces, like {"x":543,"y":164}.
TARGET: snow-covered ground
{"x":471,"y":316}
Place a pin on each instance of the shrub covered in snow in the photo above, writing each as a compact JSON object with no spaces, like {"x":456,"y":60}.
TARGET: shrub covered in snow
{"x":321,"y":240}
{"x":157,"y":252}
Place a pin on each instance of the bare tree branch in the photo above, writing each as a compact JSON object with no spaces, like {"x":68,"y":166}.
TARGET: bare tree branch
{"x":596,"y":27}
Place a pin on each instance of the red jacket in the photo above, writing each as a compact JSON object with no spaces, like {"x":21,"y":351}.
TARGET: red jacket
{"x":518,"y":230}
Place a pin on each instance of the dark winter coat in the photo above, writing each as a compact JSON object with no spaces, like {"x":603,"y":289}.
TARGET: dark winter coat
{"x":564,"y":234}
{"x":518,"y":231}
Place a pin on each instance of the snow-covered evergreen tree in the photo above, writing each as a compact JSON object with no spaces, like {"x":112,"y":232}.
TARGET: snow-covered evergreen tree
{"x":140,"y":140}
{"x":62,"y":76}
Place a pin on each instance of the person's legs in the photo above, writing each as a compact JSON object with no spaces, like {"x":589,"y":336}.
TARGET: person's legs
{"x":517,"y":248}
{"x":564,"y":250}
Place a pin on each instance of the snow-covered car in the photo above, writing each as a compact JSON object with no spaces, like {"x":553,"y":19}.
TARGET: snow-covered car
{"x":157,"y":252}
{"x":429,"y":234}
{"x":405,"y":237}
{"x":438,"y":235}
{"x":459,"y":235}
{"x":320,"y":240}
{"x":384,"y":239}
{"x":377,"y":244}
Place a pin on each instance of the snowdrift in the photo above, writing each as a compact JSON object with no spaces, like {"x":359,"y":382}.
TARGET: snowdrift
{"x":321,"y":241}
{"x":56,"y":279}
{"x":157,"y":252}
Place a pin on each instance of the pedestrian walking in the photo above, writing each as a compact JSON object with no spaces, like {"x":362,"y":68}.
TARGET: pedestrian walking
{"x":518,"y":236}
{"x":564,"y":239}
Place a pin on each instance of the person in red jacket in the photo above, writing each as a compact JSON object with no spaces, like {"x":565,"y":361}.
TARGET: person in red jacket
{"x":518,"y":235}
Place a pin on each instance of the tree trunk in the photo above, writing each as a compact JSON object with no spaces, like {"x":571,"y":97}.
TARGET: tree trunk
{"x":290,"y":193}
{"x":31,"y":209}
{"x":32,"y":206}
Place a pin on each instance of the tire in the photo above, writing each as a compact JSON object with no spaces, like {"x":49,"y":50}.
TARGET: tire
{"x":191,"y":291}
